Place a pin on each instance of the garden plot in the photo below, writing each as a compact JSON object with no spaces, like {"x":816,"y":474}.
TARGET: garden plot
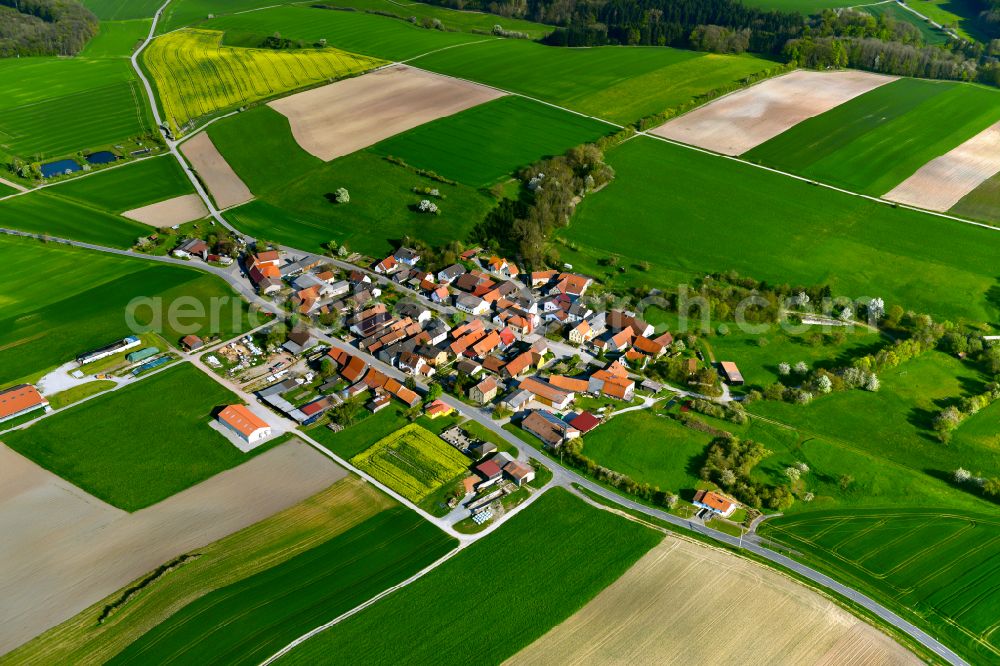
{"x":743,"y":120}
{"x":225,"y":186}
{"x":945,"y":180}
{"x":64,"y":550}
{"x":685,"y":603}
{"x":169,"y":212}
{"x":346,"y":116}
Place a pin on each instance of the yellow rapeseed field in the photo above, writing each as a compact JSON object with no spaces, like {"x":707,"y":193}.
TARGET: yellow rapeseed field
{"x":197,"y":76}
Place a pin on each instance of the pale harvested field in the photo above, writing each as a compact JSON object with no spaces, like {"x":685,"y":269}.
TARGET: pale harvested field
{"x":684,"y":603}
{"x":224,"y":185}
{"x":734,"y":124}
{"x":349,"y":115}
{"x":169,"y":212}
{"x":63,"y":550}
{"x":942,"y":182}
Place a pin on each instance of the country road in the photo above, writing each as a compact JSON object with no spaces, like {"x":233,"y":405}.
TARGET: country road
{"x":561,"y":475}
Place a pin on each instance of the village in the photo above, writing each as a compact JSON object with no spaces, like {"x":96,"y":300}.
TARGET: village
{"x":524,"y":350}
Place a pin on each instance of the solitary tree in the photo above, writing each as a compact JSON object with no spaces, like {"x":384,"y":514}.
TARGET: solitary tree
{"x":784,"y":369}
{"x":801,"y":368}
{"x":962,"y":475}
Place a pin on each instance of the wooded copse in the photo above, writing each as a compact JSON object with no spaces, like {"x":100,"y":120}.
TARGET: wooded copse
{"x":44,"y":27}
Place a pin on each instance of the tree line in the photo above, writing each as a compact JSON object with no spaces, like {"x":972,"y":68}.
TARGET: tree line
{"x":44,"y":27}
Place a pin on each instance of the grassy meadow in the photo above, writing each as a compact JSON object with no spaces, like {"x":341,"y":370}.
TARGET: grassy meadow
{"x":140,"y":444}
{"x":620,"y":84}
{"x":249,"y":620}
{"x":180,"y":13}
{"x":46,"y":212}
{"x":121,"y":10}
{"x":893,"y":10}
{"x":51,"y":107}
{"x":939,"y":569}
{"x":126,"y":187}
{"x":475,"y":148}
{"x":875,"y":141}
{"x":357,"y":32}
{"x":59,"y":302}
{"x":117,"y":39}
{"x":197,"y":77}
{"x":451,"y":19}
{"x":584,"y":547}
{"x":690,"y":214}
{"x":982,"y":203}
{"x":379,"y":214}
{"x":959,"y":15}
{"x":229,"y":561}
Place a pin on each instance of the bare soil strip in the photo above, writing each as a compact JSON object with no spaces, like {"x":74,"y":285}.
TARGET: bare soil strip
{"x":16,"y":186}
{"x":942,"y":182}
{"x":225,"y":186}
{"x":352,"y":114}
{"x":169,"y":212}
{"x":63,"y":550}
{"x":684,"y":603}
{"x":734,"y":124}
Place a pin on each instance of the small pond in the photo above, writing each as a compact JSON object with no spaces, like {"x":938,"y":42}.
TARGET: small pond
{"x":102,"y":157}
{"x":59,"y":168}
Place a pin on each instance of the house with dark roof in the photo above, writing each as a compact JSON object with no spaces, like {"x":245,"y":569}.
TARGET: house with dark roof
{"x":549,"y":428}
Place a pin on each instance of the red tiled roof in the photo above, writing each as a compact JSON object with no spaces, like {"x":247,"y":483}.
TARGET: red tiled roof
{"x":20,"y":398}
{"x":240,"y":418}
{"x":585,"y":422}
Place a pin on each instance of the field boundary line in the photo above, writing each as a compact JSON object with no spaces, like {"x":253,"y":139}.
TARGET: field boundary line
{"x":357,"y":609}
{"x":446,"y":48}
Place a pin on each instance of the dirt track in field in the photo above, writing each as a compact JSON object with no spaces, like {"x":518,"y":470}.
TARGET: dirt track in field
{"x":743,"y":120}
{"x":684,"y":603}
{"x":942,"y":182}
{"x":62,"y":550}
{"x":349,"y":115}
{"x":225,"y":186}
{"x":169,"y":212}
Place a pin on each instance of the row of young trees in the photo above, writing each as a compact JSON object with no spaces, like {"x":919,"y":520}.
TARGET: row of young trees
{"x":44,"y":27}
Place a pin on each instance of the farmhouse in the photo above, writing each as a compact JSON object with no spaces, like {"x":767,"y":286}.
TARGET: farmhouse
{"x":714,"y":502}
{"x":192,"y":342}
{"x":731,"y":373}
{"x":438,"y":408}
{"x":549,"y":428}
{"x":490,"y":473}
{"x":585,"y":422}
{"x":546,"y":393}
{"x":248,"y":426}
{"x":484,"y":391}
{"x":502,"y":267}
{"x":519,"y":472}
{"x":471,"y":304}
{"x":20,"y":400}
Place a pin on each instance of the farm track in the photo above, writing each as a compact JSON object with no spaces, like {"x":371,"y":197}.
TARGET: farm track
{"x":561,"y":476}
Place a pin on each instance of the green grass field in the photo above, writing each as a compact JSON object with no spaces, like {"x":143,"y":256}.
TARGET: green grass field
{"x":621,"y":84}
{"x":892,"y":9}
{"x":558,"y":538}
{"x":117,"y":39}
{"x":413,"y":461}
{"x":894,"y":423}
{"x":982,"y":203}
{"x":877,"y":140}
{"x":475,"y":148}
{"x":59,"y":302}
{"x":231,"y":560}
{"x":126,"y":187}
{"x":353,"y":440}
{"x":378,"y":215}
{"x":690,"y":213}
{"x":378,"y":36}
{"x":257,"y":162}
{"x":197,"y":77}
{"x":71,"y":104}
{"x":45,"y":212}
{"x":939,"y":569}
{"x":180,"y":13}
{"x":451,"y":19}
{"x":140,"y":444}
{"x":121,"y":10}
{"x":959,"y":15}
{"x":248,"y":621}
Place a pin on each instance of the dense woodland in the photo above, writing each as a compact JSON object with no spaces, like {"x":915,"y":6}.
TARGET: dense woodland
{"x":44,"y":27}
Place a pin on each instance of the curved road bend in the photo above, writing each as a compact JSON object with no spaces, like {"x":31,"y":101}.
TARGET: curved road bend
{"x":561,"y":474}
